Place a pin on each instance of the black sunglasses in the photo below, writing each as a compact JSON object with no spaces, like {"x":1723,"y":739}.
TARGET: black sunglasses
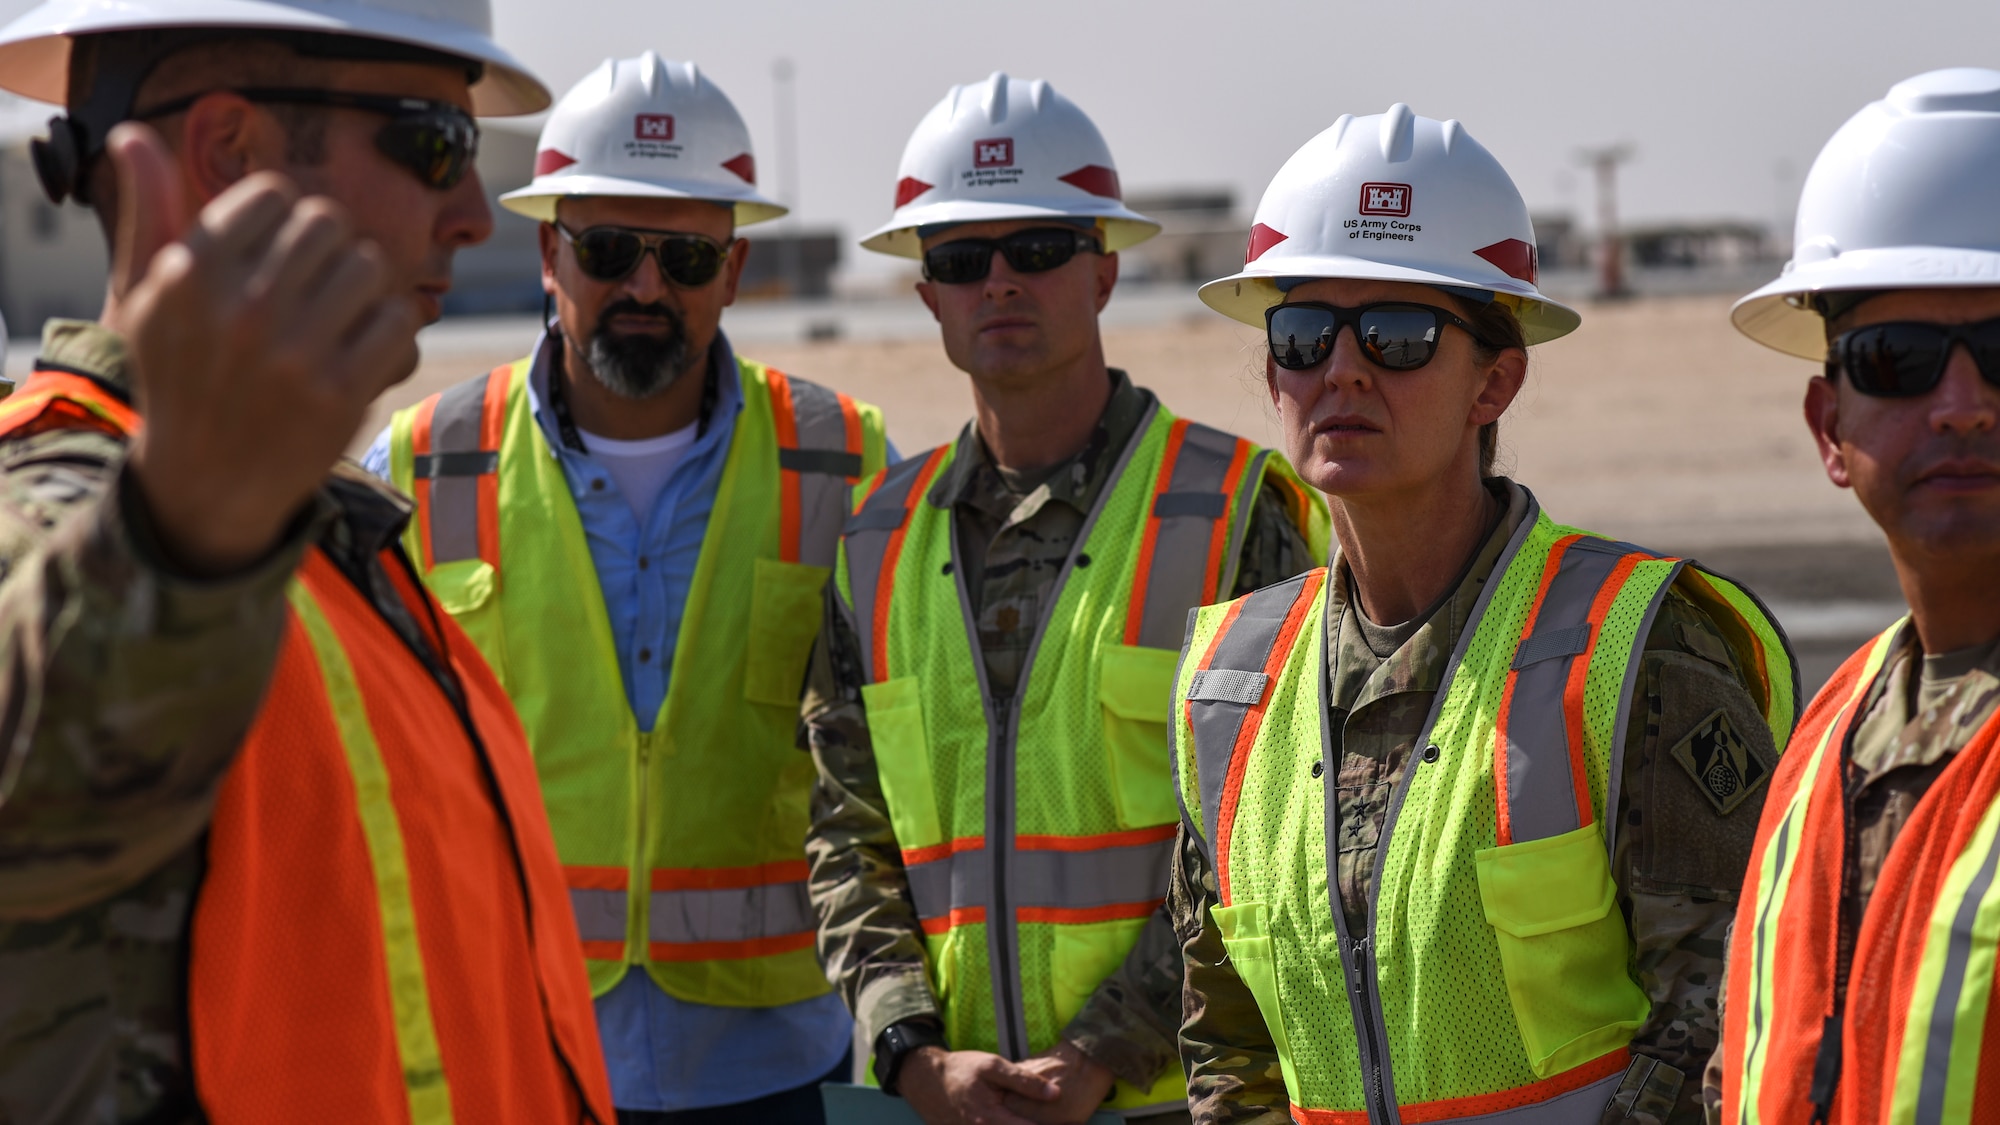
{"x":612,"y":253}
{"x":1906,"y":358}
{"x":436,"y":141}
{"x":1393,"y":334}
{"x":967,"y":260}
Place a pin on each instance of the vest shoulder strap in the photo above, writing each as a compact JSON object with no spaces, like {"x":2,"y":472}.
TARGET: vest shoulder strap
{"x":1188,"y":548}
{"x":1229,"y":691}
{"x":455,"y":461}
{"x":821,"y":449}
{"x":54,"y":399}
{"x":872,"y":540}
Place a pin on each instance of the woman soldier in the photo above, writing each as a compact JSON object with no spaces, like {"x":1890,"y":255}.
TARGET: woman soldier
{"x":1466,"y":810}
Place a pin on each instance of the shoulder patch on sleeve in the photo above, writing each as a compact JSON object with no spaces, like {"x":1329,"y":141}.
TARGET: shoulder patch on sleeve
{"x":1724,"y":767}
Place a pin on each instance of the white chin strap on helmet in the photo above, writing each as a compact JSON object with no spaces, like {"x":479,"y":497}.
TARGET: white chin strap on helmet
{"x":1393,"y":197}
{"x":1006,"y":148}
{"x":645,"y":128}
{"x":1903,"y":197}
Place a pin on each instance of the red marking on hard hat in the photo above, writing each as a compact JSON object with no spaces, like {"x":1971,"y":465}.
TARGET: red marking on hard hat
{"x":1095,"y":179}
{"x":549,"y":160}
{"x":910,"y":187}
{"x":744,"y":165}
{"x":1262,"y":238}
{"x":1515,"y":258}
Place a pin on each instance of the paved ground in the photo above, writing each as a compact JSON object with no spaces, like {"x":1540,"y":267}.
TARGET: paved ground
{"x":1656,"y":422}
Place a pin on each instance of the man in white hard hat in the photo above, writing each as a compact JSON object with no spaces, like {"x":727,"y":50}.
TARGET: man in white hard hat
{"x":634,"y":523}
{"x":1864,"y":989}
{"x":273,"y":844}
{"x":994,"y":813}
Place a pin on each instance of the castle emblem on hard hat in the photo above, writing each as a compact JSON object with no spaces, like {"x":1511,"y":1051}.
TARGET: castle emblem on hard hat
{"x":995,"y":153}
{"x":1385,"y":199}
{"x":653,"y":127}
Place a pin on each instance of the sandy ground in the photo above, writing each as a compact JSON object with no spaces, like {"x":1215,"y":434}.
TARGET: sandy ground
{"x":1655,"y":422}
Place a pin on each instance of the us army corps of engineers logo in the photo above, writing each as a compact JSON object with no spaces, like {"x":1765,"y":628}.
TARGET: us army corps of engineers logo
{"x":1723,"y":766}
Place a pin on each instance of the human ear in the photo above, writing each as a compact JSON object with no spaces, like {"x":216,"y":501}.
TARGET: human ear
{"x":1500,"y":383}
{"x":1822,"y":410}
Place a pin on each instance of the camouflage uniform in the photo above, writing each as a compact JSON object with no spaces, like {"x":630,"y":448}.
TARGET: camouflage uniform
{"x":1679,"y":862}
{"x":125,"y":690}
{"x":1023,"y":528}
{"x":1918,"y":714}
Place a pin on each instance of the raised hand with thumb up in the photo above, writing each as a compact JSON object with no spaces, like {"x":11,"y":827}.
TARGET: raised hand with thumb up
{"x":260,"y":330}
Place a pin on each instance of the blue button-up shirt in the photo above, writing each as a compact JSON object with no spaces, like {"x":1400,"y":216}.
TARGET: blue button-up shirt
{"x":664,"y":1053}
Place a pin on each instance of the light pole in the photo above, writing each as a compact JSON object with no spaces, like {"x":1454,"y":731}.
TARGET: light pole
{"x":1610,"y":245}
{"x":785,"y":90}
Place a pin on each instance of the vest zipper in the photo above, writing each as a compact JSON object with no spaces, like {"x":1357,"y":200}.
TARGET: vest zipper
{"x":641,"y":874}
{"x":1013,"y":1037}
{"x":1371,"y":1047}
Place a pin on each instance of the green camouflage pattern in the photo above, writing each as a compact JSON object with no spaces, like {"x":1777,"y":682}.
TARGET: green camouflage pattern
{"x":1023,"y":528}
{"x":1911,"y":726}
{"x":1678,"y":864}
{"x":125,"y":690}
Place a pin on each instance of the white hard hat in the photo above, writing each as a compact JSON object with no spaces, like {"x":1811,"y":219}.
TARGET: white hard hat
{"x":645,"y":128}
{"x":1905,"y":196}
{"x":34,"y":49}
{"x":1393,"y":197}
{"x":1006,"y":148}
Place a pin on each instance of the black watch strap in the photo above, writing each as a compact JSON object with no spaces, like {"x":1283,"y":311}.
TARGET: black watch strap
{"x":898,"y":1042}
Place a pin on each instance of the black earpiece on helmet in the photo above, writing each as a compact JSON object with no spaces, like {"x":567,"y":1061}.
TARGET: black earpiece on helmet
{"x":59,"y":160}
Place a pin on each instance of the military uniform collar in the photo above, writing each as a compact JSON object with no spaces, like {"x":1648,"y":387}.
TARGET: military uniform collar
{"x":973,"y":478}
{"x":1419,"y":665}
{"x":84,"y":347}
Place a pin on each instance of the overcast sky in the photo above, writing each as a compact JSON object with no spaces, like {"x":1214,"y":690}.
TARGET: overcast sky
{"x":1727,"y":102}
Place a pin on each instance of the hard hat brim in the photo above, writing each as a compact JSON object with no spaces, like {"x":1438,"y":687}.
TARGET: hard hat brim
{"x":1244,"y":295}
{"x":538,"y":200}
{"x":34,"y":49}
{"x":1123,"y":227}
{"x":1774,"y":317}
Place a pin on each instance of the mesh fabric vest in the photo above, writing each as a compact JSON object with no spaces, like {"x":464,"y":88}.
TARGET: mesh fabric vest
{"x":1916,"y":1037}
{"x":681,"y":845}
{"x":1036,"y":831}
{"x":1493,"y":978}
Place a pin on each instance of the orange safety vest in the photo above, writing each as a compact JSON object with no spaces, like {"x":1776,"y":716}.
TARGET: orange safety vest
{"x":1909,"y":1042}
{"x":382,"y":933}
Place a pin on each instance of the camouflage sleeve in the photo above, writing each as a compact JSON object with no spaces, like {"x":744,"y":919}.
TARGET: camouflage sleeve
{"x":1232,"y":1062}
{"x":1696,"y":762}
{"x":1273,"y":550}
{"x":124,"y":688}
{"x":1711,"y":1075}
{"x":869,"y":937}
{"x":1128,"y":1025}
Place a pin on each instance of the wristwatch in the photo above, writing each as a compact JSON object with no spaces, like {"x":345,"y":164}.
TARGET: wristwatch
{"x":900,"y":1040}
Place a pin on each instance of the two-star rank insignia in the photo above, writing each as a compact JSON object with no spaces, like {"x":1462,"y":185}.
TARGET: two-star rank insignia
{"x":1723,"y":766}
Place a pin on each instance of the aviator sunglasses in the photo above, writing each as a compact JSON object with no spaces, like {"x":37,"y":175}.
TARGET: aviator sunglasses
{"x":435,"y":140}
{"x":612,"y":253}
{"x":1393,"y":334}
{"x":967,"y":260}
{"x":1906,"y":358}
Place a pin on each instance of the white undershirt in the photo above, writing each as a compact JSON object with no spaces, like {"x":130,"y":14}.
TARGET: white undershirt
{"x":640,"y":468}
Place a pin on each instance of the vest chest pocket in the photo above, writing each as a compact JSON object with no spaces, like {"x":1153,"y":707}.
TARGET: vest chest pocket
{"x":1136,"y":686}
{"x":1246,"y":934}
{"x":468,"y":589}
{"x":903,"y":759}
{"x":785,"y":613}
{"x":1563,"y":946}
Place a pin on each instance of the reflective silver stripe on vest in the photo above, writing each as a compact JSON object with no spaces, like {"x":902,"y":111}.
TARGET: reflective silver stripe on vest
{"x":600,"y":915}
{"x":1542,"y":798}
{"x":1239,"y":659}
{"x":454,"y":499}
{"x":729,"y":914}
{"x":1044,"y":878}
{"x":867,"y":533}
{"x":826,"y":468}
{"x":1187,"y":512}
{"x":1583,"y":1106}
{"x":1942,"y":1032}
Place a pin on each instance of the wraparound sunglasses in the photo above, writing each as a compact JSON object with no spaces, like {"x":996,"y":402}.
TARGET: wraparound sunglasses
{"x":437,"y":141}
{"x":1397,"y":335}
{"x":1907,"y":358}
